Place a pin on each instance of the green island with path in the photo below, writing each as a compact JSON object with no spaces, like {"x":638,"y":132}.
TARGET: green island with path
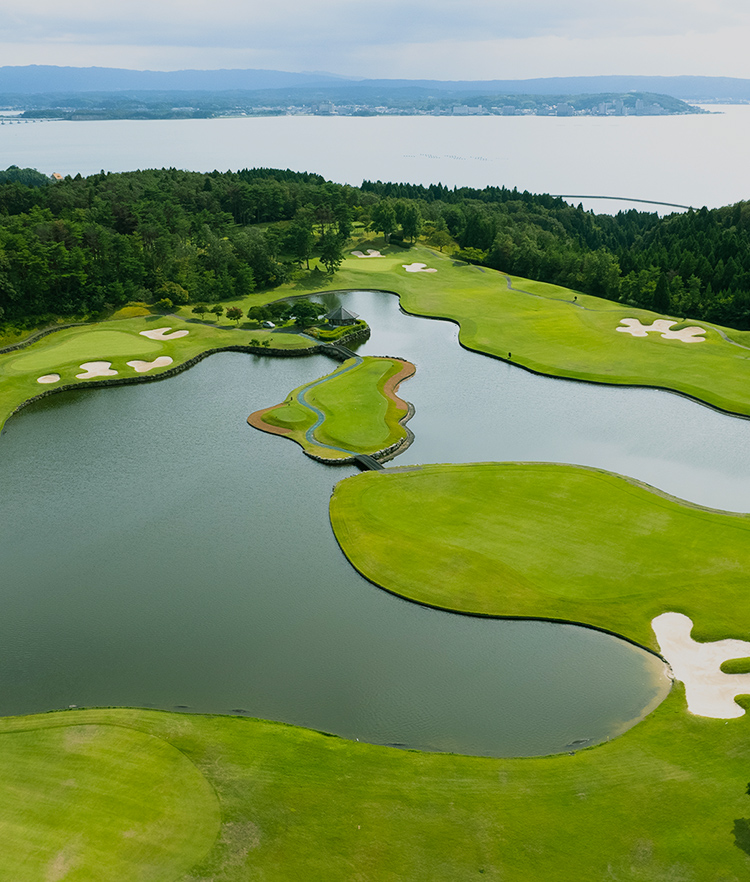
{"x":149,"y":795}
{"x":354,"y":410}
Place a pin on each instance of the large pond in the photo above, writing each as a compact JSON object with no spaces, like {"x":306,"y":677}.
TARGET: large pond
{"x":157,"y":551}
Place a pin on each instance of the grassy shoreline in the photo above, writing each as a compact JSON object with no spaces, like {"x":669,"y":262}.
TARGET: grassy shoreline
{"x":543,"y":328}
{"x":296,"y":803}
{"x":539,"y":540}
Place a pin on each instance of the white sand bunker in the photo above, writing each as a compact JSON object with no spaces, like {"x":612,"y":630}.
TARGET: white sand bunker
{"x":709,"y":691}
{"x":96,"y":369}
{"x":370,"y":253}
{"x":662,"y":326}
{"x":161,"y":334}
{"x":140,"y":367}
{"x":48,"y":378}
{"x":418,"y":268}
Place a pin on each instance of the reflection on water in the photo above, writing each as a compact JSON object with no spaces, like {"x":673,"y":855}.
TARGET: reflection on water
{"x":158,"y":551}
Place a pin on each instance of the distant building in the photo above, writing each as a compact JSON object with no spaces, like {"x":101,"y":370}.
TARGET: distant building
{"x":341,"y":316}
{"x":56,"y":176}
{"x":467,"y":110}
{"x":564,"y":110}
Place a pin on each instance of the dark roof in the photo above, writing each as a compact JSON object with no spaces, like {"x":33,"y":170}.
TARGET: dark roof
{"x":341,"y":315}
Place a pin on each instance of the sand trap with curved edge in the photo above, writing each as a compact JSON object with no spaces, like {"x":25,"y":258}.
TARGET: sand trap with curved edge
{"x":48,"y":378}
{"x":418,"y":268}
{"x":371,"y":252}
{"x":140,"y":367}
{"x":161,"y":334}
{"x":96,"y":369}
{"x":709,"y":691}
{"x":662,"y":326}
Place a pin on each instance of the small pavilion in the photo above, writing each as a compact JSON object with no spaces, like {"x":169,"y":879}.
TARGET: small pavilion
{"x":341,"y":316}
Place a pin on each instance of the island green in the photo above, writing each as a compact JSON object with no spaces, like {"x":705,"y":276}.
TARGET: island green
{"x":353,"y":410}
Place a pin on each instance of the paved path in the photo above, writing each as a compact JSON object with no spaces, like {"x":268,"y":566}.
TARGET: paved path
{"x":301,"y":399}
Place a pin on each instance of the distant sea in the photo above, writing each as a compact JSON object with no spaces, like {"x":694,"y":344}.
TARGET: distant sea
{"x":691,"y":160}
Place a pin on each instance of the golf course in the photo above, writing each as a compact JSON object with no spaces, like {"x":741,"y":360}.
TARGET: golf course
{"x":354,"y":410}
{"x":125,"y":793}
{"x":57,"y":360}
{"x":553,"y":541}
{"x":133,"y":794}
{"x":558,"y":332}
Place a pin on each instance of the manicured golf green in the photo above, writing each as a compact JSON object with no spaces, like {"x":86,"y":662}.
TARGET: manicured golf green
{"x":667,"y":800}
{"x":552,"y":541}
{"x":359,"y":409}
{"x":118,"y":342}
{"x":82,"y":800}
{"x":547,"y":332}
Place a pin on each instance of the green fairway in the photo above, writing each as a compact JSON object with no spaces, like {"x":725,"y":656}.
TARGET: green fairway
{"x":99,"y":801}
{"x":359,"y":409}
{"x":665,"y":801}
{"x":118,"y":342}
{"x":546,"y":331}
{"x":72,"y":347}
{"x":552,"y":541}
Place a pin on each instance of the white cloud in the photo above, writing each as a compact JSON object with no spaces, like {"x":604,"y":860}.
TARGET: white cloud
{"x":415,"y":38}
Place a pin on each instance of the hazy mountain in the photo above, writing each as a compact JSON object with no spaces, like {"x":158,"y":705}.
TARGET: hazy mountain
{"x":35,"y":79}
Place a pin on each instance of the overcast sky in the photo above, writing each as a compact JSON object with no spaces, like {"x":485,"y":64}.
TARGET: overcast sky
{"x":442,"y":39}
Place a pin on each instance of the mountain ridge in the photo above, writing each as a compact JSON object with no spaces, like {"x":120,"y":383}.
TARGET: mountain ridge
{"x":33,"y":79}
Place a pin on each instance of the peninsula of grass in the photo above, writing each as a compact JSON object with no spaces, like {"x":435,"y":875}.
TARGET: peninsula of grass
{"x":668,"y":800}
{"x":351,"y":411}
{"x":547,"y":541}
{"x":546,"y":328}
{"x":63,"y":352}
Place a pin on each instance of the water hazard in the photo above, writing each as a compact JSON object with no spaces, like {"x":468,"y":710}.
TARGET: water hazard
{"x":157,"y":551}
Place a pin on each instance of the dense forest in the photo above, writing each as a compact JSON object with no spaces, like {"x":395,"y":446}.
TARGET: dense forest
{"x":84,"y":246}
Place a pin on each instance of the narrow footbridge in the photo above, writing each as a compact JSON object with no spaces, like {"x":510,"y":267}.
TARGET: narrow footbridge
{"x":366,"y":462}
{"x":337,"y":351}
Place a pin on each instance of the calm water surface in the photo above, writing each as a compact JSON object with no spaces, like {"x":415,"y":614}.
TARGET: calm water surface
{"x":158,"y":551}
{"x":692,"y":160}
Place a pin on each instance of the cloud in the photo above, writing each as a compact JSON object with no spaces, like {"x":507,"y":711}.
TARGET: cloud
{"x":418,"y":38}
{"x":239,"y":24}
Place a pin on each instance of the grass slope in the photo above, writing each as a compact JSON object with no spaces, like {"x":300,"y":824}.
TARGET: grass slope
{"x":545,"y":331}
{"x":117,"y":341}
{"x":360,"y":415}
{"x":82,"y":800}
{"x":666,"y":801}
{"x":556,"y":541}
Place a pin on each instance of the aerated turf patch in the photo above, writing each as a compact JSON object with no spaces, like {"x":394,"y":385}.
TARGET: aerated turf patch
{"x":104,"y":802}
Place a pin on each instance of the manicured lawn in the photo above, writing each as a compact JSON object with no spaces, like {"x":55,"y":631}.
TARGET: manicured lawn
{"x":553,"y":541}
{"x":665,"y":801}
{"x":359,"y":415}
{"x":118,"y":342}
{"x":82,"y":800}
{"x":548,"y":333}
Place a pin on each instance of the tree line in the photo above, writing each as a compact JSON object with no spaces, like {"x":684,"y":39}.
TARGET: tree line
{"x":85,"y":245}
